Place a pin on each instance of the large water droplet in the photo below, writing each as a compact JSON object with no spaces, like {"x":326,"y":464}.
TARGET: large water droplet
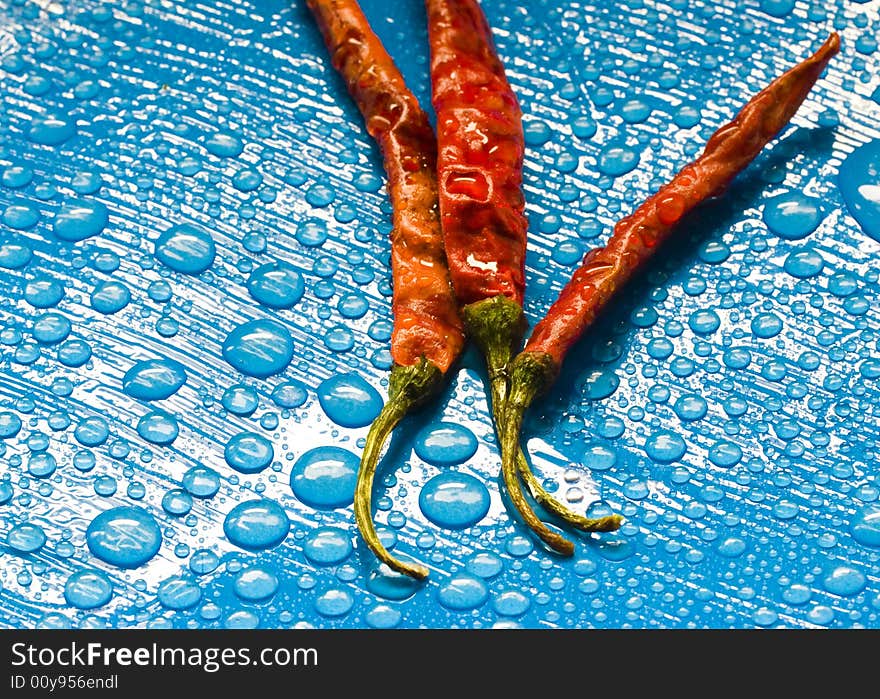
{"x":792,"y":215}
{"x":25,"y":538}
{"x":79,"y":219}
{"x":859,"y":182}
{"x":178,"y":592}
{"x":454,"y":500}
{"x":126,"y":537}
{"x":187,"y":249}
{"x":154,"y":379}
{"x":445,"y":443}
{"x":462,"y":592}
{"x":259,"y":348}
{"x":88,"y":589}
{"x":276,"y":285}
{"x":327,"y":546}
{"x":865,"y":526}
{"x":256,"y":524}
{"x":845,"y":581}
{"x":324,"y":477}
{"x":349,"y":400}
{"x":249,"y":452}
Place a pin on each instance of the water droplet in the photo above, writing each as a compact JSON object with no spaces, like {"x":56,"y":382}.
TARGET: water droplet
{"x":247,"y":180}
{"x":334,"y":603}
{"x":665,"y":447}
{"x":249,"y":452}
{"x":462,"y":592}
{"x":25,"y":538}
{"x":110,"y":297}
{"x":845,"y":581}
{"x":201,"y":482}
{"x":388,"y":584}
{"x":92,"y":431}
{"x":600,"y":383}
{"x":290,"y":394}
{"x":324,"y":477}
{"x":51,"y":131}
{"x":445,"y":444}
{"x":240,"y":400}
{"x":88,"y":589}
{"x":511,"y":603}
{"x":276,"y":285}
{"x":51,"y":328}
{"x":792,"y":215}
{"x":178,"y":592}
{"x":10,"y":424}
{"x":454,"y":500}
{"x":485,"y":564}
{"x":725,"y":454}
{"x":259,"y":348}
{"x":21,"y":216}
{"x":224,"y":145}
{"x":732,"y":547}
{"x":766,"y":325}
{"x":187,"y":249}
{"x":256,"y":524}
{"x":177,"y":502}
{"x":349,"y":400}
{"x":691,"y":407}
{"x":203,"y":561}
{"x":615,"y":161}
{"x":126,"y":537}
{"x":327,"y":546}
{"x":256,"y":584}
{"x":14,"y":255}
{"x":704,"y":321}
{"x":865,"y":526}
{"x":859,"y":182}
{"x":383,"y":617}
{"x":78,"y":219}
{"x":804,"y":263}
{"x":158,"y":428}
{"x":154,"y":379}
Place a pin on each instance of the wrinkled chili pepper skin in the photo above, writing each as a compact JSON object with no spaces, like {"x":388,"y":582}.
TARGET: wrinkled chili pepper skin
{"x":480,"y":155}
{"x":636,"y":237}
{"x":426,"y":320}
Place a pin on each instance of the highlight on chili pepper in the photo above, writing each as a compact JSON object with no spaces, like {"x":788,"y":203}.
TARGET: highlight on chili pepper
{"x":479,"y":170}
{"x":636,"y":237}
{"x":427,"y":336}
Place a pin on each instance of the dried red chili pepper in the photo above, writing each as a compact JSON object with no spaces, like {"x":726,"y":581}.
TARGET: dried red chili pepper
{"x":427,"y":335}
{"x":479,"y":162}
{"x":636,"y":237}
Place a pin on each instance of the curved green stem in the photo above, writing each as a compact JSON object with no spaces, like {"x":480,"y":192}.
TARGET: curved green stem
{"x":542,"y":497}
{"x":497,"y":326}
{"x":409,"y":387}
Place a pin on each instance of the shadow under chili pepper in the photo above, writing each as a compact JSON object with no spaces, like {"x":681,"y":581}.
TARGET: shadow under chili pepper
{"x":709,"y":221}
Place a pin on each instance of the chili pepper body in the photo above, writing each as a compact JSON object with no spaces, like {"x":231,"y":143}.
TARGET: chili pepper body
{"x":480,"y":155}
{"x":480,"y":158}
{"x":427,"y":335}
{"x":636,"y":237}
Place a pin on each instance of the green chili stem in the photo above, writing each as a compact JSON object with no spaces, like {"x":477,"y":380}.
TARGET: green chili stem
{"x":497,"y":326}
{"x":409,"y":387}
{"x":542,"y":497}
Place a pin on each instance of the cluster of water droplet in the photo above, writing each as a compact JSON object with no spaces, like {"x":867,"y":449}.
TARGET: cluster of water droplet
{"x":193,"y":247}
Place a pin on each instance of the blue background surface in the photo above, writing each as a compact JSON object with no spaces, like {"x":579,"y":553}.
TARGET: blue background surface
{"x":727,"y":405}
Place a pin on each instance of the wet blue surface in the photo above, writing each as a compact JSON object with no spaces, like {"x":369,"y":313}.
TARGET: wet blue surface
{"x":196,"y":316}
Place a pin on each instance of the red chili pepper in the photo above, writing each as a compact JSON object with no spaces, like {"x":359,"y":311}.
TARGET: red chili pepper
{"x":479,"y":164}
{"x":427,"y":335}
{"x":637,"y":236}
